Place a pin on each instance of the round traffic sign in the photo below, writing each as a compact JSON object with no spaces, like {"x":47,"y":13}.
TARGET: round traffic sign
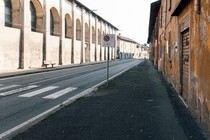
{"x":106,"y":38}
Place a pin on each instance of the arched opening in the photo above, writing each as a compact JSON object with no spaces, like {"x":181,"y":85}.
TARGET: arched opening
{"x":8,"y":13}
{"x":15,"y":13}
{"x":87,"y":44}
{"x":33,"y":17}
{"x":68,"y":26}
{"x":104,"y":48}
{"x":54,"y":22}
{"x":99,"y":37}
{"x":78,"y":30}
{"x":36,"y":16}
{"x":87,"y":34}
{"x":99,"y":43}
{"x":93,"y":35}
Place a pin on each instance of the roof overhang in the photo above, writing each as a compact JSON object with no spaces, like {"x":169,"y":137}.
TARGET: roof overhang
{"x":154,"y":9}
{"x":94,"y":14}
{"x":179,"y":7}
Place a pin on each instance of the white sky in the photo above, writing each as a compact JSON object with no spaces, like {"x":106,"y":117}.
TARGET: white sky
{"x":130,"y":17}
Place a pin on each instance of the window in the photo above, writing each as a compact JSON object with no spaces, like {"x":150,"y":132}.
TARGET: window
{"x":68,"y":26}
{"x":8,"y":13}
{"x":87,"y":36}
{"x":78,"y":30}
{"x":33,"y":17}
{"x":51,"y":24}
{"x":169,"y":5}
{"x":93,"y":35}
{"x":169,"y":45}
{"x":66,"y":29}
{"x":99,"y":37}
{"x":161,"y":16}
{"x":54,"y":22}
{"x":160,"y":53}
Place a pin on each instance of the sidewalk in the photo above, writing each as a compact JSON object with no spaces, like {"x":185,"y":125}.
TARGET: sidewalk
{"x":138,"y":105}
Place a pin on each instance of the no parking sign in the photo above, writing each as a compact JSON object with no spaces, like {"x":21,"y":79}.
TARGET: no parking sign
{"x":108,"y":40}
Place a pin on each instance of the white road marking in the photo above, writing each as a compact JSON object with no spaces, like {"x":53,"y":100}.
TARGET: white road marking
{"x":60,"y":93}
{"x":1,"y":85}
{"x":37,"y":92}
{"x":43,"y":115}
{"x":8,"y":87}
{"x":17,"y":90}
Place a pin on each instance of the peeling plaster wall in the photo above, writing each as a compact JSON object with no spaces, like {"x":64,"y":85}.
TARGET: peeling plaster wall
{"x":9,"y":50}
{"x":199,"y":66}
{"x":34,"y":43}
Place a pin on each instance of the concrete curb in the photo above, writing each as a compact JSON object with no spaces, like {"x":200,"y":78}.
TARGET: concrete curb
{"x":29,"y":123}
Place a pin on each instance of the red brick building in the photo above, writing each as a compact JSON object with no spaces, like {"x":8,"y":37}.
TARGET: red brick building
{"x":182,"y":52}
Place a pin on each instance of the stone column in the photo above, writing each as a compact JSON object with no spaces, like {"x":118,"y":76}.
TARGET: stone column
{"x":73,"y":32}
{"x":60,"y":32}
{"x":83,"y":36}
{"x":20,"y":19}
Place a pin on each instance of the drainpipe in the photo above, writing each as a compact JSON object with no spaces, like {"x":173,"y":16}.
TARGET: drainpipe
{"x":21,"y":51}
{"x":197,"y":6}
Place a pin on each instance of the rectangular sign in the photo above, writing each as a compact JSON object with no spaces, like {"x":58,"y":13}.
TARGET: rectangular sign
{"x":108,"y":40}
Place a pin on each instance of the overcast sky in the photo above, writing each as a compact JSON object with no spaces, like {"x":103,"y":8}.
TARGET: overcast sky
{"x":131,"y":17}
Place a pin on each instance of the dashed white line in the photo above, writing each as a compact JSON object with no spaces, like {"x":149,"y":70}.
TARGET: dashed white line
{"x":17,"y":90}
{"x":37,"y":92}
{"x":60,"y":93}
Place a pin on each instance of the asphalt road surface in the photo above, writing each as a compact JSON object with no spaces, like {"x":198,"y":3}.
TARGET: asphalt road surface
{"x":26,"y":99}
{"x":135,"y":106}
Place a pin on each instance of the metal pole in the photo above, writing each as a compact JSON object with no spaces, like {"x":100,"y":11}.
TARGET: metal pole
{"x":107,"y":83}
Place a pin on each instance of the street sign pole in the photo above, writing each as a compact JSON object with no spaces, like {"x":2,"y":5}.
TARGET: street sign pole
{"x":107,"y":81}
{"x":108,"y":41}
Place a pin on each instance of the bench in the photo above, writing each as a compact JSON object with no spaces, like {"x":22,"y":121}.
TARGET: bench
{"x":46,"y":63}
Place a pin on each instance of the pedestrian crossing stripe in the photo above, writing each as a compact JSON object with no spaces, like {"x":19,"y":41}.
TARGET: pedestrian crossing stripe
{"x":60,"y":93}
{"x":37,"y":92}
{"x":7,"y":90}
{"x":18,"y":90}
{"x":8,"y":87}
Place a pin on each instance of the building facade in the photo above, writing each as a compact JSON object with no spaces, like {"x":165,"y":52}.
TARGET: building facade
{"x":181,"y":32}
{"x":62,"y":31}
{"x":128,"y":48}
